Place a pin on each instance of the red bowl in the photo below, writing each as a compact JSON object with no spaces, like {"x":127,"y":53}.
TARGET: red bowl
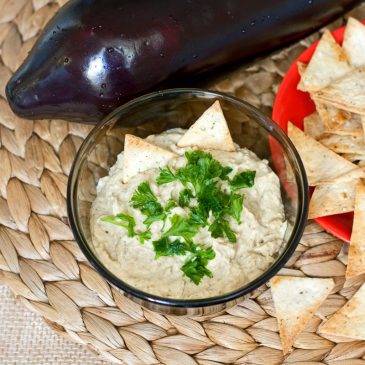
{"x":293,"y":105}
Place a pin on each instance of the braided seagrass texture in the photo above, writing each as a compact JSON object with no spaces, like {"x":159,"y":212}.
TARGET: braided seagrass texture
{"x":47,"y":272}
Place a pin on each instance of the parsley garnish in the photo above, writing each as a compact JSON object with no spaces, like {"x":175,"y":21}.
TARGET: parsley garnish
{"x":166,"y":176}
{"x":144,"y":199}
{"x":170,"y":204}
{"x":165,"y":248}
{"x":154,"y":218}
{"x":118,"y":220}
{"x":235,"y":206}
{"x":220,"y":228}
{"x":144,"y":236}
{"x":198,"y":216}
{"x":182,"y":227}
{"x":129,"y":224}
{"x":244,"y":179}
{"x":211,"y":207}
{"x":195,"y":267}
{"x":184,"y":197}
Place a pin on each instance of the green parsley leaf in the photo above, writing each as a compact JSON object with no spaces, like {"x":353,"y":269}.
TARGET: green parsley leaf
{"x":118,"y":220}
{"x":184,"y":197}
{"x":154,"y":218}
{"x":200,"y":171}
{"x":235,"y":206}
{"x":144,"y":236}
{"x":226,"y":170}
{"x":165,"y":248}
{"x":166,"y":176}
{"x":129,"y":224}
{"x":170,"y":204}
{"x":182,"y":227}
{"x":144,"y":199}
{"x":193,"y":157}
{"x":195,"y":267}
{"x":198,"y":215}
{"x":221,"y":228}
{"x":244,"y":179}
{"x":214,"y":200}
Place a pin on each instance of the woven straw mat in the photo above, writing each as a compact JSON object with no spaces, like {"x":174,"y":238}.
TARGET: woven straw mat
{"x":46,"y":271}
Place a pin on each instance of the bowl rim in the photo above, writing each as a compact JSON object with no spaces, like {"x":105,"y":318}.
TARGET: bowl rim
{"x":293,"y":241}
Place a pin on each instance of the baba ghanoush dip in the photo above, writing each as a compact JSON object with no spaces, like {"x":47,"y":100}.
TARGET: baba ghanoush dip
{"x":188,"y":214}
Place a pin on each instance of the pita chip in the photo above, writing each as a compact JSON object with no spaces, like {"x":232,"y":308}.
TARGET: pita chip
{"x":313,"y":125}
{"x":346,"y":93}
{"x":332,"y":199}
{"x":301,"y":68}
{"x":296,"y":299}
{"x":350,"y":127}
{"x":349,"y":321}
{"x":343,"y":143}
{"x":356,"y":258}
{"x":354,"y":42}
{"x":322,"y":165}
{"x":328,"y":63}
{"x":140,"y":155}
{"x":210,"y":131}
{"x":354,"y":156}
{"x":332,"y":117}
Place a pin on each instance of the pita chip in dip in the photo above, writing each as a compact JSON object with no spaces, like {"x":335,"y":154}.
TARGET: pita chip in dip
{"x":210,"y":131}
{"x":140,"y":155}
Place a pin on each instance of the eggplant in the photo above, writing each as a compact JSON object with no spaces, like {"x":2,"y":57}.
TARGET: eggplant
{"x":95,"y":55}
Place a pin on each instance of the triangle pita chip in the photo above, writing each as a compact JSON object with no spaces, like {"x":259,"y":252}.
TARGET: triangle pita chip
{"x":354,"y":156}
{"x":350,"y":127}
{"x":341,"y":143}
{"x":301,"y":68}
{"x":296,"y":299}
{"x":328,"y":63}
{"x":349,"y":321}
{"x":313,"y":125}
{"x":139,"y":156}
{"x":346,"y":93}
{"x":210,"y":131}
{"x":332,"y":199}
{"x":354,"y":42}
{"x":356,"y":258}
{"x":332,"y":117}
{"x":322,"y":165}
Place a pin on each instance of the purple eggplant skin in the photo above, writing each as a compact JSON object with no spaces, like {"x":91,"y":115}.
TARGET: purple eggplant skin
{"x":94,"y":55}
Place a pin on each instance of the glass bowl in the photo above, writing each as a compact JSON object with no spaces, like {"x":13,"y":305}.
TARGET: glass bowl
{"x":154,"y":113}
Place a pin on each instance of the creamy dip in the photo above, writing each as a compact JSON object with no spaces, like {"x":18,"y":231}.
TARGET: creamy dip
{"x":259,"y":236}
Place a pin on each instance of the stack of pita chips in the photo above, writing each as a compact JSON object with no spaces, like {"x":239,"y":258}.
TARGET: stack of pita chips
{"x":335,"y":80}
{"x":332,"y":148}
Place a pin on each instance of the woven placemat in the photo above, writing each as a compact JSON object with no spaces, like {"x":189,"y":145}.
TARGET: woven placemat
{"x":26,"y":340}
{"x":47,"y":272}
